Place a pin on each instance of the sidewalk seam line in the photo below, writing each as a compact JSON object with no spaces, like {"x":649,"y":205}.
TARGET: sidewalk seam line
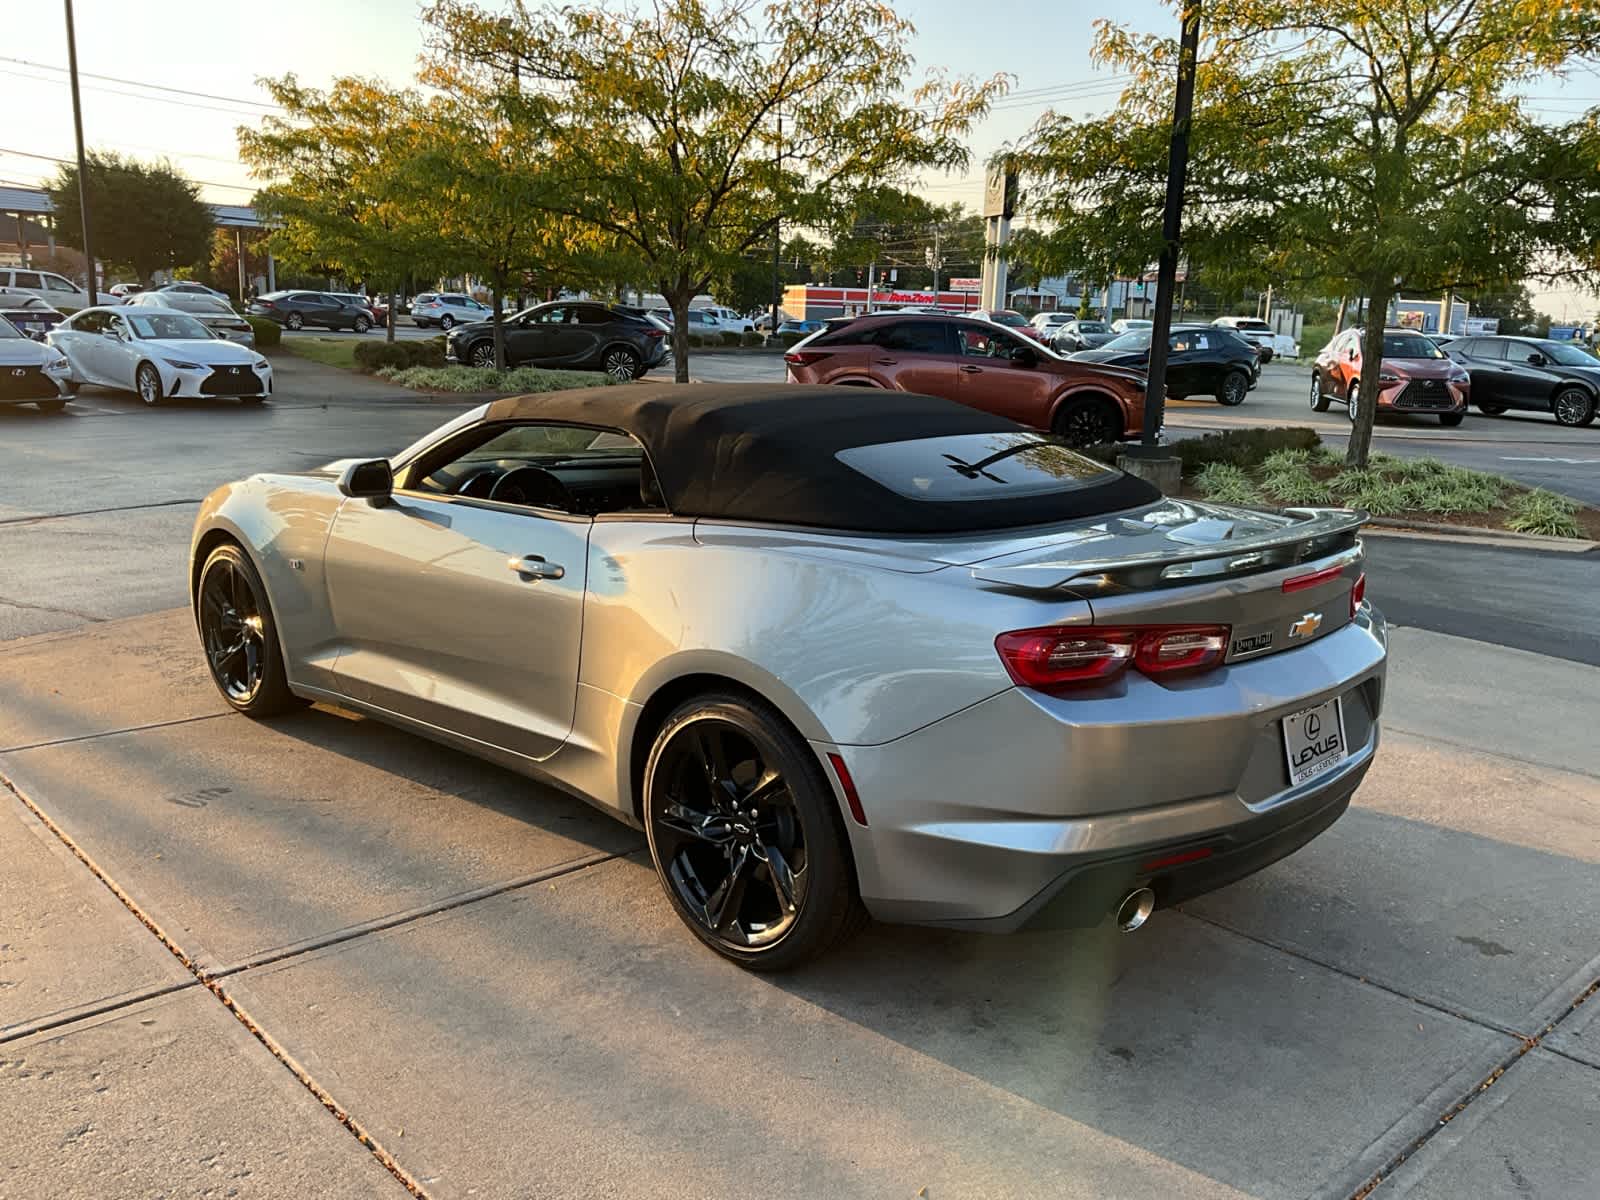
{"x":285,"y":1059}
{"x":13,"y":1033}
{"x":351,"y":933}
{"x":105,"y":733}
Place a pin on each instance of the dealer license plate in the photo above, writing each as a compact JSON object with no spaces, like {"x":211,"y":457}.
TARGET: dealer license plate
{"x":1313,"y":741}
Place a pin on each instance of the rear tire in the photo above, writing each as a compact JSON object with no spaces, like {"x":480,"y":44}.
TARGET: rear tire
{"x":622,"y":363}
{"x":716,"y":760}
{"x":1090,"y":422}
{"x":1573,"y":406}
{"x":447,"y":322}
{"x":362,"y":324}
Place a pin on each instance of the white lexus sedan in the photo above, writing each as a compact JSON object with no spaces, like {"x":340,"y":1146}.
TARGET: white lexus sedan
{"x":158,"y":354}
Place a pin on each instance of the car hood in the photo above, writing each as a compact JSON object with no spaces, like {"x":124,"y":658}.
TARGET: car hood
{"x":213,"y":353}
{"x":1095,"y":340}
{"x":1117,"y":358}
{"x":1422,"y":368}
{"x":25,"y":352}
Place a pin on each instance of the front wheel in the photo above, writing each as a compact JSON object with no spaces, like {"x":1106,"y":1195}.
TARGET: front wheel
{"x":295,"y":321}
{"x":1451,"y":420}
{"x":481,"y":354}
{"x":621,"y":363}
{"x":746,"y":835}
{"x":1087,"y":422}
{"x":1573,"y":406}
{"x":447,"y":322}
{"x":362,"y":324}
{"x":239,"y":636}
{"x":147,"y":382}
{"x":1352,"y":404}
{"x":1319,"y":402}
{"x":1235,"y":386}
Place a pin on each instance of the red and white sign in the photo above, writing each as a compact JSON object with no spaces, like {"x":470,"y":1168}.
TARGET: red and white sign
{"x":966,"y":285}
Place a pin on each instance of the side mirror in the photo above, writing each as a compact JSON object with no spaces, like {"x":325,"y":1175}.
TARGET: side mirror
{"x":1536,"y":359}
{"x":372,"y":480}
{"x":1023,"y":356}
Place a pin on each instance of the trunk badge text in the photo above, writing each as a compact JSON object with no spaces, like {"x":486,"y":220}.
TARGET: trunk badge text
{"x":1252,"y":645}
{"x":1306,"y":626}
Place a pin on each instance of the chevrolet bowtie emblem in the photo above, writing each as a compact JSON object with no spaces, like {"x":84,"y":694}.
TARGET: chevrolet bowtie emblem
{"x":1306,"y":626}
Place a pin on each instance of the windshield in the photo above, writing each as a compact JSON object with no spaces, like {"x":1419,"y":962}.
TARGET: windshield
{"x":1014,"y":320}
{"x":1569,"y":356}
{"x":977,"y":466}
{"x":1253,"y":326}
{"x":1136,"y":341}
{"x":1138,"y":325}
{"x":1091,"y":327}
{"x":8,"y":330}
{"x":1409,"y":345}
{"x":160,"y":326}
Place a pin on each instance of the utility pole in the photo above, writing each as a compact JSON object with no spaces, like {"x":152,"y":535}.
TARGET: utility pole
{"x":936,"y":264}
{"x":83,"y":166}
{"x":1171,"y":228}
{"x":872,"y":284}
{"x":777,"y":220}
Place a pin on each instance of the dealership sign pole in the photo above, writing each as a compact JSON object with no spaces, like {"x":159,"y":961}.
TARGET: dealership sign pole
{"x":1171,"y":224}
{"x":83,"y":168}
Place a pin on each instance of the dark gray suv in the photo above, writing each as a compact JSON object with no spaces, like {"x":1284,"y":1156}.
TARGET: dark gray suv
{"x":297,"y":310}
{"x":566,"y":333}
{"x":1530,"y":373}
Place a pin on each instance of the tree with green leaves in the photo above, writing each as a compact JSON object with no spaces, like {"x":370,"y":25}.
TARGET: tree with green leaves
{"x":683,"y":134}
{"x":146,"y":216}
{"x":1358,"y":147}
{"x":337,"y":162}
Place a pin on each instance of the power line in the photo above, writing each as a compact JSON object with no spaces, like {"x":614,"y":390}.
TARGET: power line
{"x":188,"y":104}
{"x":236,"y":187}
{"x":157,"y":87}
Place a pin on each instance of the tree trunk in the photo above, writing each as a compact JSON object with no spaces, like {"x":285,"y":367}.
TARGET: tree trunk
{"x":1371,"y":364}
{"x":388,"y":321}
{"x":679,"y":299}
{"x":499,"y":327}
{"x":1338,"y":320}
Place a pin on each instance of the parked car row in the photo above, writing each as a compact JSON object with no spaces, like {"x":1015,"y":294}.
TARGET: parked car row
{"x":1494,"y":374}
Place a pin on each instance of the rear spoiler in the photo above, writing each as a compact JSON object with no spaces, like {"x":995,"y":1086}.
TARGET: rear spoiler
{"x":1316,"y":533}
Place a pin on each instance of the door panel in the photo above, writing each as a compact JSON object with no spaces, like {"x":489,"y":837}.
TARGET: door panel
{"x":916,"y":356}
{"x":989,"y":380}
{"x":435,"y":625}
{"x":1532,"y":386}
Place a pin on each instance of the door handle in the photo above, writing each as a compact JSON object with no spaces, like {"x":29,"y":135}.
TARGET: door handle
{"x":533,"y":566}
{"x":966,"y":370}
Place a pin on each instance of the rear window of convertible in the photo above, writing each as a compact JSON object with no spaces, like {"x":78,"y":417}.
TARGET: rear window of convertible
{"x":977,"y":466}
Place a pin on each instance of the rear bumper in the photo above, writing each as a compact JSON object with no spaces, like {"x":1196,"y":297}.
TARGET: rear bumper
{"x":1026,"y":808}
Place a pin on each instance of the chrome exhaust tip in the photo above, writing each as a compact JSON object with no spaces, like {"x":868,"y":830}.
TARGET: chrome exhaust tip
{"x":1135,"y":909}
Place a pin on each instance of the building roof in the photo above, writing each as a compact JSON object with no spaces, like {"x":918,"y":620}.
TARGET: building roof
{"x":37,"y":200}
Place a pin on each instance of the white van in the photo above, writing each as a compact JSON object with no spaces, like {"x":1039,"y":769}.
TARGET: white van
{"x":55,"y":290}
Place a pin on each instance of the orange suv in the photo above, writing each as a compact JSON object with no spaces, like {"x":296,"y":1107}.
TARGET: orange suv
{"x":1415,"y":377}
{"x":979,"y":364}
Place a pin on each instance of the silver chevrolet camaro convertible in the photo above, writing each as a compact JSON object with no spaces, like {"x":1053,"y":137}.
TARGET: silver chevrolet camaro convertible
{"x":837,"y":653}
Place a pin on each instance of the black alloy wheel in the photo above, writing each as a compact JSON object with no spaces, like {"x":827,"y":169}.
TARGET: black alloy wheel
{"x":295,"y":321}
{"x":481,"y":354}
{"x":147,"y":382}
{"x":238,"y":635}
{"x":621,"y":363}
{"x":1088,"y":423}
{"x":1319,"y":402}
{"x":1235,"y":386}
{"x":1573,"y":406}
{"x":746,"y":836}
{"x":447,"y":322}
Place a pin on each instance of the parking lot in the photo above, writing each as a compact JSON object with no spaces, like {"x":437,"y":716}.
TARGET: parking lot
{"x":316,"y":956}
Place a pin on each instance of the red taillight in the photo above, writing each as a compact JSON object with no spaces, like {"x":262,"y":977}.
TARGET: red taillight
{"x":803,"y":358}
{"x":1358,"y":594}
{"x":849,"y":786}
{"x":653,"y":334}
{"x":1301,"y":582}
{"x":1058,"y":656}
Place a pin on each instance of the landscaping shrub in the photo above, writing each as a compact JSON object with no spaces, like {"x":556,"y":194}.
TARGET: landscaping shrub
{"x":1544,"y":512}
{"x":1225,"y":483}
{"x":267,"y":332}
{"x":487,"y":379}
{"x":400,"y":355}
{"x":731,"y":337}
{"x":751,"y":338}
{"x":789,"y":339}
{"x":1242,"y":448}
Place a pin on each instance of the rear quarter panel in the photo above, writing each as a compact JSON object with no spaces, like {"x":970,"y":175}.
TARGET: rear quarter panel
{"x":282,"y":521}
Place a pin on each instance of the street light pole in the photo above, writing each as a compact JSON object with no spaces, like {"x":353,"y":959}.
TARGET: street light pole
{"x":1155,"y":395}
{"x":83,"y":166}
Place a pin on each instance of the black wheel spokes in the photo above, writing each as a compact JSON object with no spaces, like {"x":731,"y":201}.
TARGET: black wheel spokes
{"x":232,"y":630}
{"x":730,"y":837}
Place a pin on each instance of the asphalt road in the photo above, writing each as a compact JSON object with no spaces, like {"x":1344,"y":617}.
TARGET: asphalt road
{"x":307,"y":956}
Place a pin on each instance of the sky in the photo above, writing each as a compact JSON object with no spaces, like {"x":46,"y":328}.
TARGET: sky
{"x":220,"y":50}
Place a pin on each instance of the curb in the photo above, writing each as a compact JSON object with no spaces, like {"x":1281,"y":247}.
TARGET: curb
{"x":1393,"y":527}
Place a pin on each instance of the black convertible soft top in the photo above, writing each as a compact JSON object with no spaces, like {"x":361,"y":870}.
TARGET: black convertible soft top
{"x":771,"y":453}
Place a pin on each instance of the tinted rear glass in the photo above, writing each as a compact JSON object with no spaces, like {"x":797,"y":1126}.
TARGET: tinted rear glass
{"x":986,"y":466}
{"x":1092,"y":327}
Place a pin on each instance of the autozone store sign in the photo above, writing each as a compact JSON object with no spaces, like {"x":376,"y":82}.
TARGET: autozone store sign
{"x":796,"y":300}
